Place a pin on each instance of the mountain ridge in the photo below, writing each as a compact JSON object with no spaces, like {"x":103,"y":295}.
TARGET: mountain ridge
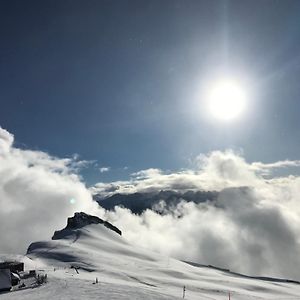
{"x":140,"y":201}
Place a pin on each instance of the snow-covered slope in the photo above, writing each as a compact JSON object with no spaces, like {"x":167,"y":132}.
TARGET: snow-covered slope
{"x":127,"y":272}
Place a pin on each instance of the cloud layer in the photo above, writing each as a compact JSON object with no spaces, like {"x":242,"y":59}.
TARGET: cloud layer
{"x":37,"y":193}
{"x":215,"y":171}
{"x":253,"y":227}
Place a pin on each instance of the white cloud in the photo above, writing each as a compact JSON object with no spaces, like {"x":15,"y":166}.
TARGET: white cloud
{"x":212,"y":172}
{"x":35,"y":194}
{"x":148,"y":173}
{"x":266,"y":169}
{"x":253,"y":227}
{"x":104,"y":169}
{"x":215,"y":171}
{"x":6,"y":141}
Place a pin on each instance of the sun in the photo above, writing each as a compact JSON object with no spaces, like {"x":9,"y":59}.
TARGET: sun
{"x":226,"y":100}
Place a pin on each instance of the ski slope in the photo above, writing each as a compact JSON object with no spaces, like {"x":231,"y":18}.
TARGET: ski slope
{"x":127,"y":272}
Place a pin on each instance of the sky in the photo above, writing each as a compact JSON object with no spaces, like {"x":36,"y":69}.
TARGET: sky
{"x":120,"y":83}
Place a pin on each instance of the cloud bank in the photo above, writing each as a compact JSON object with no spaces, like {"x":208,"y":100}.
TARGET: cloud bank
{"x":253,"y":227}
{"x":37,"y":193}
{"x":215,"y":171}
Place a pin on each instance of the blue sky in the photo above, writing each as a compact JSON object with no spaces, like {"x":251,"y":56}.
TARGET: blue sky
{"x":120,"y":82}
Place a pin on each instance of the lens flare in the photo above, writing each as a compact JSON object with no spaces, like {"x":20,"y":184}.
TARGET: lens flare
{"x":72,"y":201}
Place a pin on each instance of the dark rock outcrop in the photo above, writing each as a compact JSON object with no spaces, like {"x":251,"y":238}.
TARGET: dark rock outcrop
{"x":79,"y":220}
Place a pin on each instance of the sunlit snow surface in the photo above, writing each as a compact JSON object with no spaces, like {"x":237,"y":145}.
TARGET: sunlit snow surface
{"x":127,"y":272}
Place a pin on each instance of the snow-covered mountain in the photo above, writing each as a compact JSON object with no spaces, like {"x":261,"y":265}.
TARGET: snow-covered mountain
{"x":88,"y":249}
{"x":160,"y":201}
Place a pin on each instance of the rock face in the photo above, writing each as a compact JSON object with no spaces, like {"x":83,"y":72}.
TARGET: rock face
{"x":79,"y":220}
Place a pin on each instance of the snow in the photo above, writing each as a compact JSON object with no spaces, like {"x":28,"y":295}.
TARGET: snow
{"x":128,"y":272}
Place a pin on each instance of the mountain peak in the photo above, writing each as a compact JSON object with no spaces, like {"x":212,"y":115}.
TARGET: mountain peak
{"x":79,"y":220}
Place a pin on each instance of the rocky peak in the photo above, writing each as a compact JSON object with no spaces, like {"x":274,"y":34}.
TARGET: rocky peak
{"x":81,"y":219}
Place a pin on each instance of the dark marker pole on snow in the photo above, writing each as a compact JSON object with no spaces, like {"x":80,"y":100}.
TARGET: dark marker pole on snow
{"x":183,"y":295}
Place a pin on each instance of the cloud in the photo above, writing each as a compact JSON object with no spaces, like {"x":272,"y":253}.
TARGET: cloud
{"x":253,"y":227}
{"x":33,"y":185}
{"x":6,"y":140}
{"x":148,"y":173}
{"x":104,"y":169}
{"x":266,"y":169}
{"x":212,"y":172}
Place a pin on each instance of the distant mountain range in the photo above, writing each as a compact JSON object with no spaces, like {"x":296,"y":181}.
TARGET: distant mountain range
{"x":161,"y":201}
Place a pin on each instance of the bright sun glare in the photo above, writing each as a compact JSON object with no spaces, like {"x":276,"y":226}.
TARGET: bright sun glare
{"x":226,"y":100}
